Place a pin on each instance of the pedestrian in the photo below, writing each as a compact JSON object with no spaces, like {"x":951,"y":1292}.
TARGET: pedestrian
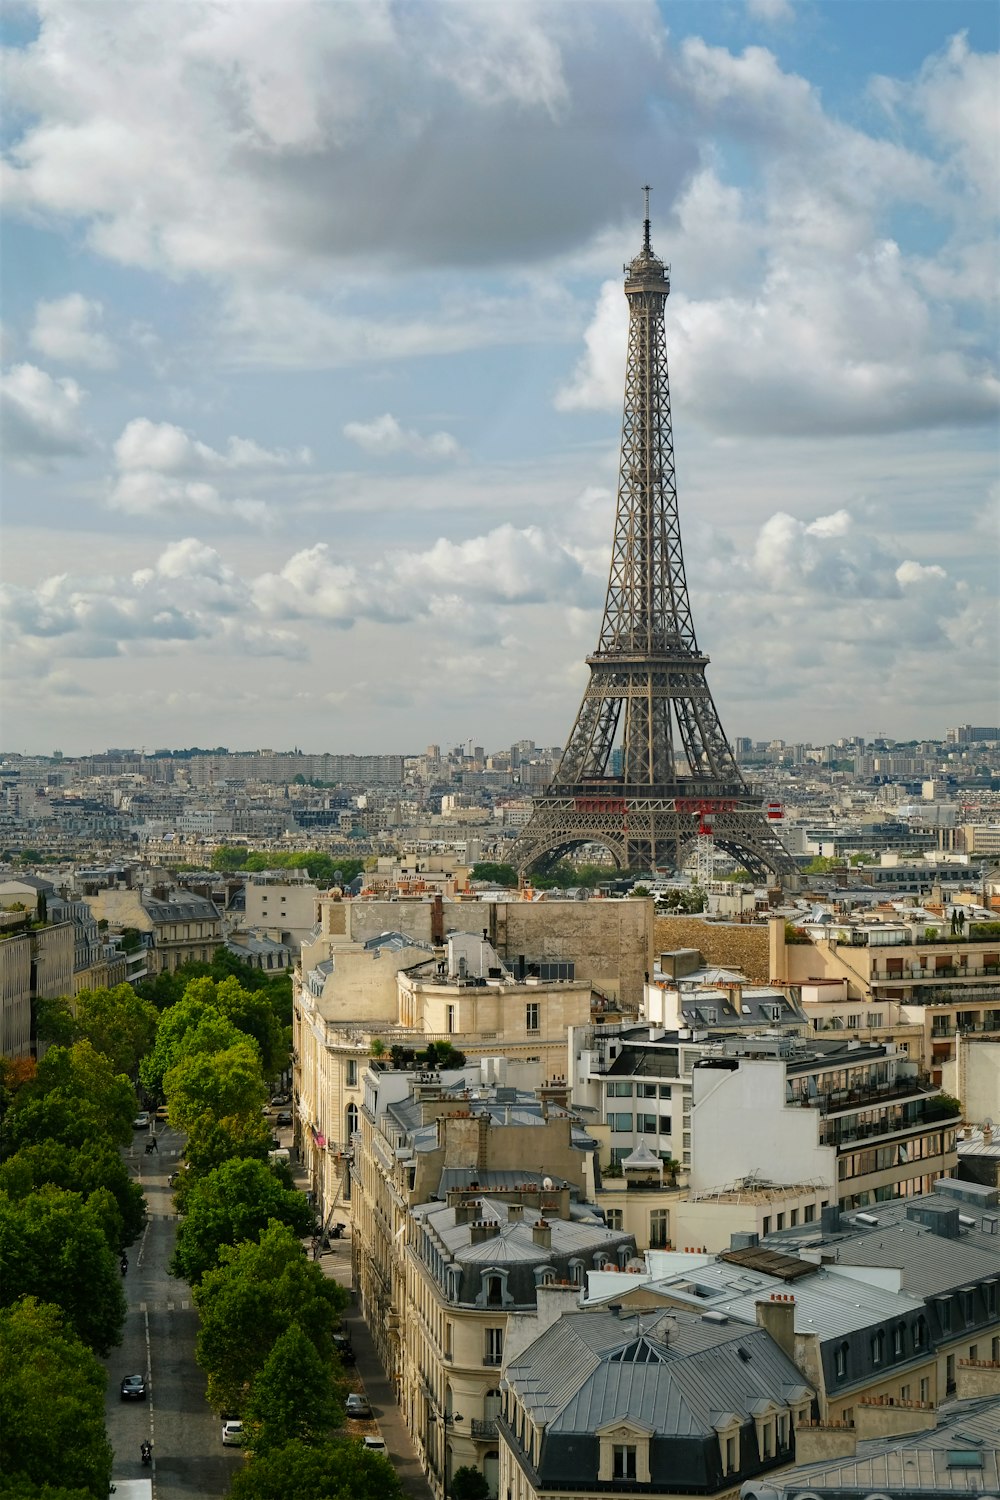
{"x":155,"y":1144}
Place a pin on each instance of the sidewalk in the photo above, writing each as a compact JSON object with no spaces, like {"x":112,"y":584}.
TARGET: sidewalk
{"x":368,"y":1371}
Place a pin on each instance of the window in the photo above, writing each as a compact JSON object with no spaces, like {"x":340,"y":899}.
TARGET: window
{"x":925,"y":1389}
{"x":767,"y":1225}
{"x":920,"y":1333}
{"x":781,"y":1221}
{"x":664,"y":1091}
{"x":878,"y":1348}
{"x":659,"y":1228}
{"x":646,"y":1090}
{"x":793,"y":1218}
{"x":904,"y":1393}
{"x":898,"y":1341}
{"x":666,"y":1125}
{"x":615,"y":1217}
{"x":618,"y":1090}
{"x":494,"y":1347}
{"x":449,"y":1021}
{"x":531,"y":1014}
{"x":352,"y":1074}
{"x":646,"y":1123}
{"x":969,"y":1305}
{"x":809,"y":1213}
{"x":494,"y":1291}
{"x":732,"y":1455}
{"x":623,"y":1464}
{"x":766,"y":1443}
{"x":620,"y":1122}
{"x":840,"y":1361}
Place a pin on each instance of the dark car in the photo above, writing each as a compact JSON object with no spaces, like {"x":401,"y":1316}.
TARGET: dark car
{"x":285,"y":1117}
{"x":344,"y":1348}
{"x":134,"y":1388}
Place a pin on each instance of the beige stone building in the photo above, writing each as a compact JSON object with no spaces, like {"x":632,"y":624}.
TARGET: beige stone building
{"x":467,"y":1203}
{"x":184,"y":927}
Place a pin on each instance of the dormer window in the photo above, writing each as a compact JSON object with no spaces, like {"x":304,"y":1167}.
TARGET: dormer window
{"x":493,"y":1290}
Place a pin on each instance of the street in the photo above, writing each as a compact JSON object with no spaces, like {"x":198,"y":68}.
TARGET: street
{"x":158,"y":1342}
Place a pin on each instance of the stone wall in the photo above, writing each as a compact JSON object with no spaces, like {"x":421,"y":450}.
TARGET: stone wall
{"x":729,"y":944}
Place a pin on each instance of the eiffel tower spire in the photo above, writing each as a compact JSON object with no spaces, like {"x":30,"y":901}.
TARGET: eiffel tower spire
{"x":647,"y":766}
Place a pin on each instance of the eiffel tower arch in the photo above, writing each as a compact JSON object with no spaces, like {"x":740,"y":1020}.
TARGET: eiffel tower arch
{"x":647,"y":768}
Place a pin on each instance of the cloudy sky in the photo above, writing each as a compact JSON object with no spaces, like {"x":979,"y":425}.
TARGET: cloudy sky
{"x":313,"y":349}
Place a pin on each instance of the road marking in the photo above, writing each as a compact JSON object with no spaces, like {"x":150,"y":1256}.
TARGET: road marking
{"x":142,"y":1243}
{"x":149,"y":1377}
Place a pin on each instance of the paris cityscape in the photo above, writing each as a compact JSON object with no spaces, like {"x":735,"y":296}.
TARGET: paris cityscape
{"x":393,"y":1111}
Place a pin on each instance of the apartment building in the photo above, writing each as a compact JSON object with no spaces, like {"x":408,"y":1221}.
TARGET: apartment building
{"x":860,"y":1120}
{"x":466,"y":1200}
{"x":608,"y":1401}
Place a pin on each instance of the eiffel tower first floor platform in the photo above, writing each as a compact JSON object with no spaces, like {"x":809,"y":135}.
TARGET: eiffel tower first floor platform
{"x":650,"y":827}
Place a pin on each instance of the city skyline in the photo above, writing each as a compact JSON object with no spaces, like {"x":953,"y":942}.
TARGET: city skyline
{"x":314,"y":343}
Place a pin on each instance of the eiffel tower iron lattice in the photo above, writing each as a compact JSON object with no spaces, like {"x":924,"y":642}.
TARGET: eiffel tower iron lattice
{"x":647,"y":767}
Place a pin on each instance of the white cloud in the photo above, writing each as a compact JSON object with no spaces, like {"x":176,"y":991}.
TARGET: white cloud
{"x":40,"y":417}
{"x":66,"y":330}
{"x":385,"y":435}
{"x":276,"y":139}
{"x":160,"y":445}
{"x":771,"y":11}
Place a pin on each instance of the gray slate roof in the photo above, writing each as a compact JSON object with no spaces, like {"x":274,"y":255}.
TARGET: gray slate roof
{"x":674,"y":1373}
{"x":914,"y":1465}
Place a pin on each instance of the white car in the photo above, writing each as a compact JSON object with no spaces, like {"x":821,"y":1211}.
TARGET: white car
{"x":141,"y":1121}
{"x":232,"y":1434}
{"x":375,"y":1445}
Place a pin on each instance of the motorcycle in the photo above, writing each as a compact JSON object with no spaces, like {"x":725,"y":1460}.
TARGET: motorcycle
{"x":146,"y":1454}
{"x":124,"y":1264}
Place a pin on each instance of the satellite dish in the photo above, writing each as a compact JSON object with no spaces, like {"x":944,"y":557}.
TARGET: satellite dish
{"x":548,"y":1184}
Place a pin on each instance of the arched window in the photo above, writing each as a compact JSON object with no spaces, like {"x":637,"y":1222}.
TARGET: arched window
{"x":494,"y":1291}
{"x":840,"y":1361}
{"x":899,"y":1341}
{"x":352,"y":1121}
{"x":878,"y":1348}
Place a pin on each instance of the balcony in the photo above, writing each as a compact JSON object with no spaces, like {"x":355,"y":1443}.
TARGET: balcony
{"x":845,"y":1133}
{"x":484,"y":1428}
{"x":846,"y":1101}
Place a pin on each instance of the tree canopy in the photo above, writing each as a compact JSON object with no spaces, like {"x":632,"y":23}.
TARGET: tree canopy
{"x":293,"y":1397}
{"x":224,"y":1083}
{"x":495,"y":874}
{"x":117,"y":1022}
{"x":260,"y":1288}
{"x":85,"y":1169}
{"x":330,"y":1471}
{"x":54,"y":1246}
{"x":233,"y":1203}
{"x":52,"y":1438}
{"x":75,"y":1096}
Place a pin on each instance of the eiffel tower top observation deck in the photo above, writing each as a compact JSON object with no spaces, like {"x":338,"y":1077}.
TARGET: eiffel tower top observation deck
{"x":647,"y":767}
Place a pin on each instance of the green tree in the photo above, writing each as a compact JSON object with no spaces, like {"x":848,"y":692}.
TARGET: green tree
{"x":212,"y":1141}
{"x":233,"y":1203}
{"x":469,"y":1483}
{"x":53,"y":1246}
{"x":75,"y":1096}
{"x":260,"y":1288}
{"x":496,"y":874}
{"x":222,"y":1084}
{"x":174,"y":1039}
{"x":52,"y":1437}
{"x":293,"y":1398}
{"x":229,"y":857}
{"x":118,"y":1023}
{"x":54,"y":1021}
{"x":330,"y":1471}
{"x":96,"y":1165}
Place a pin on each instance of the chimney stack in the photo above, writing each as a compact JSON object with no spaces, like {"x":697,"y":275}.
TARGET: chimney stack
{"x":541,"y":1234}
{"x":777,"y":1316}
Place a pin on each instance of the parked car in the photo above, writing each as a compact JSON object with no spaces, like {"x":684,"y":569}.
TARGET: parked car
{"x":162,"y":1113}
{"x":141,"y":1121}
{"x":232,"y":1434}
{"x":358,"y":1405}
{"x":375,"y":1445}
{"x":344,"y":1348}
{"x":134,"y":1388}
{"x":285,"y":1117}
{"x":277,"y":1099}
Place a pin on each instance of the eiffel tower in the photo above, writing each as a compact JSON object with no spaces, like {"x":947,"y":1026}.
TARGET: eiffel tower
{"x":647,"y":767}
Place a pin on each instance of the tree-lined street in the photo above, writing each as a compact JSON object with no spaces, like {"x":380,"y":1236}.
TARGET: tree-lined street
{"x":159,"y":1340}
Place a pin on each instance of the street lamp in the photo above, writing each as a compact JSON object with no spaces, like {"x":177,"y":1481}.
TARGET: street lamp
{"x":447,"y":1419}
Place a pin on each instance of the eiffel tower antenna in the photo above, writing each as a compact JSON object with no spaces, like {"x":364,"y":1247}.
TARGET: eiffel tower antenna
{"x":647,"y":768}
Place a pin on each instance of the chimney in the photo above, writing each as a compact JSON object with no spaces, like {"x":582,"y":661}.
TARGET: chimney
{"x":466,"y":1210}
{"x":987,"y":1132}
{"x":541,"y":1234}
{"x":515,"y":1213}
{"x":437,"y":920}
{"x":483,"y":1230}
{"x":777,"y":1316}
